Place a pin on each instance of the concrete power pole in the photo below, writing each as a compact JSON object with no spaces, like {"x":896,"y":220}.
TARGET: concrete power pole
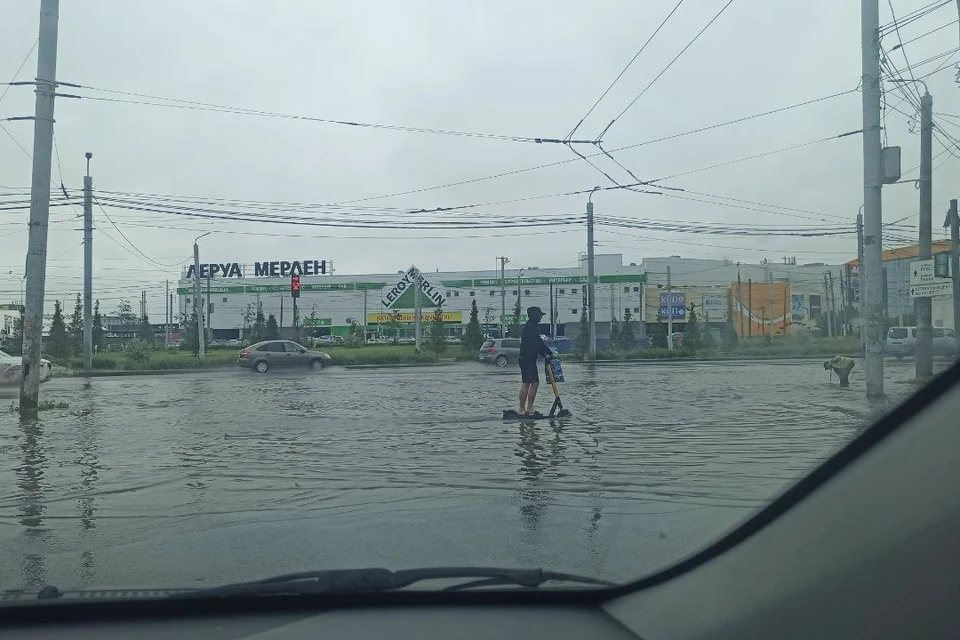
{"x":872,"y":294}
{"x":770,"y":300}
{"x":669,"y":311}
{"x":955,"y":261}
{"x":418,"y":278}
{"x":503,"y":296}
{"x":197,"y":300}
{"x":826,"y":305}
{"x":591,"y":285}
{"x":88,"y":268}
{"x":36,"y":265}
{"x":860,"y":278}
{"x":923,"y":306}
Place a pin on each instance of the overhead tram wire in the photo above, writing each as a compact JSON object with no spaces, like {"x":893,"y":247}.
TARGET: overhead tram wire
{"x":624,"y":70}
{"x":193,"y":105}
{"x":913,"y":16}
{"x":137,"y":252}
{"x":557,"y":163}
{"x":665,"y":69}
{"x":924,"y":35}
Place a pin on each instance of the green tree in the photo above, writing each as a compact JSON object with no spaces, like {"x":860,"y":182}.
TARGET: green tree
{"x":272,"y":329}
{"x":97,"y":327}
{"x":583,"y":336}
{"x":658,"y":336}
{"x":516,"y":326}
{"x":355,"y":334}
{"x":259,"y":333}
{"x":473,"y":336}
{"x":76,"y":327}
{"x":189,"y":340}
{"x":393,"y":326}
{"x":125,"y":312}
{"x":60,"y":346}
{"x":438,"y":338}
{"x":138,"y":351}
{"x":627,"y":335}
{"x":693,"y":333}
{"x":145,"y":331}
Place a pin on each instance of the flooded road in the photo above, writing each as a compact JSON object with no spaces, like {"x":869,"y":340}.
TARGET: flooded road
{"x":204,"y":478}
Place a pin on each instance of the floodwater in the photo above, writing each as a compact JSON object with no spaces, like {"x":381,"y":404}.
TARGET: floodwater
{"x":203,"y":478}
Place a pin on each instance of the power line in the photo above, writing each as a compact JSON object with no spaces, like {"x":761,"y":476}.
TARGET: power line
{"x":192,"y":105}
{"x":620,"y":75}
{"x":19,"y":69}
{"x":900,"y":40}
{"x":624,"y":148}
{"x":924,"y":35}
{"x":664,"y":70}
{"x":913,"y":16}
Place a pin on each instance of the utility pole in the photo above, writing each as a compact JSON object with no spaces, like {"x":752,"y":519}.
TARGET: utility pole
{"x":828,"y":304}
{"x":365,"y":317}
{"x":770,"y":300}
{"x":591,"y":293}
{"x":872,"y":293}
{"x":739,"y":302}
{"x":955,"y":261}
{"x":36,"y":266}
{"x":416,"y":310}
{"x":860,"y":283}
{"x":553,"y":324}
{"x":88,"y":268}
{"x":750,"y":307}
{"x":503,"y":296}
{"x":922,"y":307}
{"x":197,"y":300}
{"x":208,"y":325}
{"x":167,"y":311}
{"x":669,"y":311}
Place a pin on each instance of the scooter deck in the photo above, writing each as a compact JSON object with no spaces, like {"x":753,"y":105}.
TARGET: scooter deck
{"x":510,"y":414}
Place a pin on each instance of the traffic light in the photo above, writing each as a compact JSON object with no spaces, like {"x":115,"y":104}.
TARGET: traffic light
{"x":295,"y":286}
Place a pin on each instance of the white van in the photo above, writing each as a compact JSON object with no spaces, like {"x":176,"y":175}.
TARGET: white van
{"x":902,"y":341}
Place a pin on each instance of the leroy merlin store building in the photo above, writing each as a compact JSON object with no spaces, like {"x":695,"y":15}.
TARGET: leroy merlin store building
{"x":327,"y":301}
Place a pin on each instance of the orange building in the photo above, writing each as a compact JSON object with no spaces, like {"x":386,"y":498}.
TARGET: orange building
{"x":758,"y":303}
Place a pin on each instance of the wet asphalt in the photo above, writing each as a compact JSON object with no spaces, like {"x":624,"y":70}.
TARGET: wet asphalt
{"x":209,"y":477}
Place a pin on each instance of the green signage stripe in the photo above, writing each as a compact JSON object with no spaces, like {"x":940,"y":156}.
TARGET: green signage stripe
{"x":452,"y":284}
{"x":495,"y":282}
{"x":269,"y":288}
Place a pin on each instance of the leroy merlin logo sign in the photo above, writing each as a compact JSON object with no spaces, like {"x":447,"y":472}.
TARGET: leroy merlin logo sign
{"x":401,"y":295}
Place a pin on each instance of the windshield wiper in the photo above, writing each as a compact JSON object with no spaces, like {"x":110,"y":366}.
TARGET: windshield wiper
{"x":373,"y":580}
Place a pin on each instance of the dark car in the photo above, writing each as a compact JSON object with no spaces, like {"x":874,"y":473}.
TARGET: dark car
{"x":500,"y":351}
{"x":275,"y":354}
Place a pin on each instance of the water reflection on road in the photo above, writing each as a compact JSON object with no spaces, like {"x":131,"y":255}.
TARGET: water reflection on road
{"x":207,"y":478}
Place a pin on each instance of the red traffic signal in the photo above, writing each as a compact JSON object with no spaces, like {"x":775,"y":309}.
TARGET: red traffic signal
{"x":295,"y":286}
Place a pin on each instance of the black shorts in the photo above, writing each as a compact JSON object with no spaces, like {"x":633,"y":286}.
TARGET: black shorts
{"x":528,"y":371}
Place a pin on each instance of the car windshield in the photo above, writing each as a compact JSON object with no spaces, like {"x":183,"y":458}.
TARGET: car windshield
{"x":312,"y":285}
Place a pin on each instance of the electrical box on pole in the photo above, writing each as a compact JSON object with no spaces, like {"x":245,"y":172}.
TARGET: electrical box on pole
{"x":890,"y":164}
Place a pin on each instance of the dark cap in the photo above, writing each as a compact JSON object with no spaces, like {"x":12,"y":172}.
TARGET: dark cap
{"x":535,"y":313}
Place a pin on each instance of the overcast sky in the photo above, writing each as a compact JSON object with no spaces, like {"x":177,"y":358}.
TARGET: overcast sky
{"x":523,"y":69}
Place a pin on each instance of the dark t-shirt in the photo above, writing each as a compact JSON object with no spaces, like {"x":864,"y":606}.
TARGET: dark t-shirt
{"x":531,"y":344}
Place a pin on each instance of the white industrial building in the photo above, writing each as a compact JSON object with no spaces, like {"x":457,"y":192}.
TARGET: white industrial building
{"x":327,"y":301}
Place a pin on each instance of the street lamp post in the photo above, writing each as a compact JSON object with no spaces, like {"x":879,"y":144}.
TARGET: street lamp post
{"x":198,"y":313}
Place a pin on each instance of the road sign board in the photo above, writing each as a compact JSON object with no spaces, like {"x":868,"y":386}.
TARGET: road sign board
{"x":941,"y":287}
{"x":921,"y":272}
